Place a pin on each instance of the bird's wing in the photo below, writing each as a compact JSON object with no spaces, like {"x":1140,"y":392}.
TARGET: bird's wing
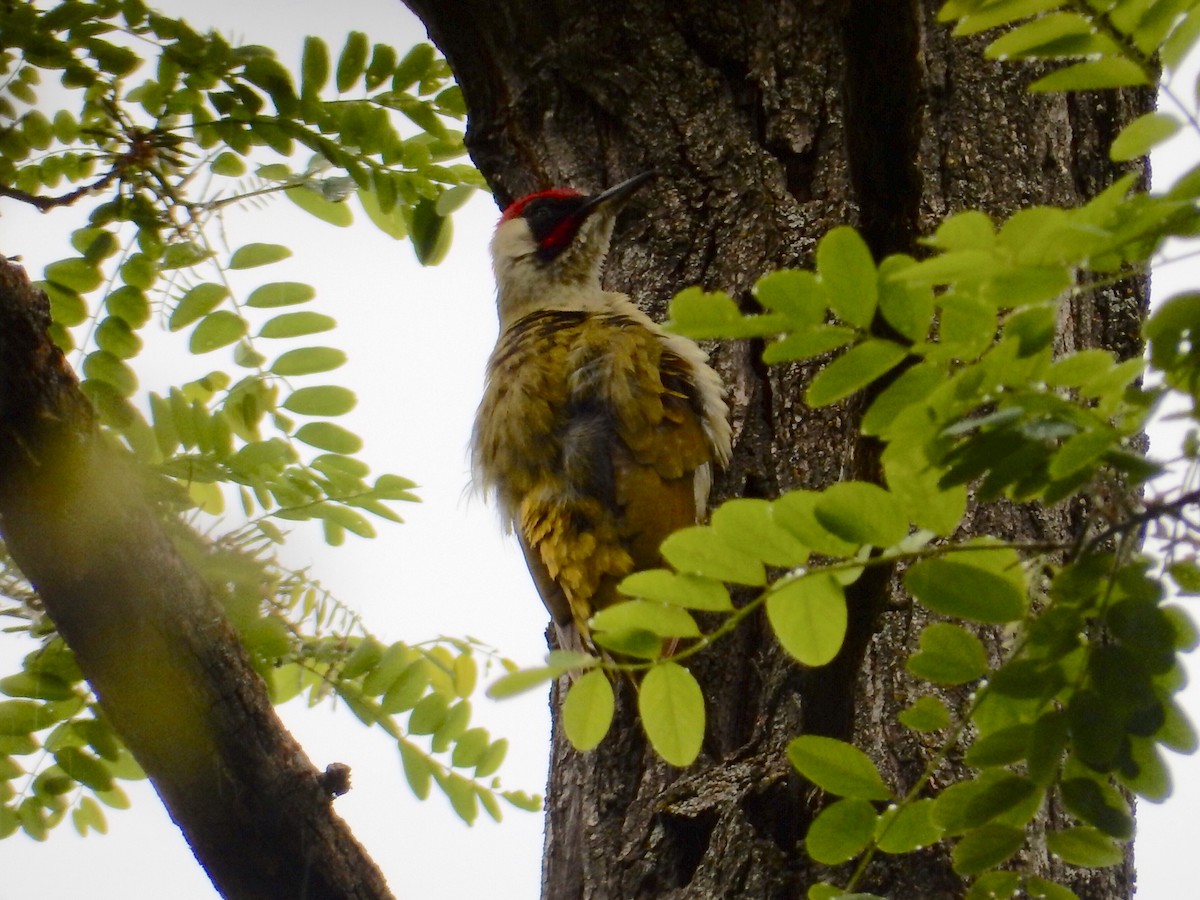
{"x":662,"y":451}
{"x":630,"y":443}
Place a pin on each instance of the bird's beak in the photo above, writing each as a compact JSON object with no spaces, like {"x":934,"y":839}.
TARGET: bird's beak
{"x":615,"y":195}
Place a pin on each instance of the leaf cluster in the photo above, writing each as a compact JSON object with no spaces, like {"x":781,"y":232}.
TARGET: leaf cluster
{"x":971,"y":400}
{"x":162,"y":131}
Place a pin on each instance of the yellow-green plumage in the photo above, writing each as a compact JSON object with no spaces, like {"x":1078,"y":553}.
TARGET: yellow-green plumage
{"x":597,"y":431}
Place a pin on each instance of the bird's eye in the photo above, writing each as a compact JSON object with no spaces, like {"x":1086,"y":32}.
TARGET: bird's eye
{"x":542,"y":216}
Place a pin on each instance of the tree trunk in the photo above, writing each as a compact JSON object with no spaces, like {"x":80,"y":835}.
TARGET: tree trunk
{"x":170,"y":672}
{"x":769,"y":123}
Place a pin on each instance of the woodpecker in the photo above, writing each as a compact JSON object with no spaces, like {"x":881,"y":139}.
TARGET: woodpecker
{"x":598,"y":431}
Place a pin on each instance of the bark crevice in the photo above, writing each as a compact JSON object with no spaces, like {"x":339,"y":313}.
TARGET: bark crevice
{"x":884,"y":97}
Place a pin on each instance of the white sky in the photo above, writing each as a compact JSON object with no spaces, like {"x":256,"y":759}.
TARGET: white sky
{"x":418,"y":339}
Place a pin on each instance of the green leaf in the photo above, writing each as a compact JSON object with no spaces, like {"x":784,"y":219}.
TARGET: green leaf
{"x":67,"y":308}
{"x":453,"y":199}
{"x":228,"y":164}
{"x":296,"y":324}
{"x":413,"y":67}
{"x":429,"y":714}
{"x":38,"y":130}
{"x":252,"y":255}
{"x":84,"y":768}
{"x":1146,"y":773}
{"x":114,"y":335}
{"x":587,"y":710}
{"x":1042,"y":36}
{"x":184,"y":254}
{"x":88,"y":814}
{"x":492,"y":758}
{"x":326,"y":400}
{"x":314,"y":67}
{"x":1141,"y":135}
{"x":672,"y":710}
{"x":195,"y":304}
{"x":36,"y":685}
{"x":926,"y":714}
{"x":748,"y":525}
{"x":646,"y":615}
{"x":948,"y":655}
{"x":352,"y":60}
{"x":103,"y":366}
{"x":809,"y":616}
{"x":23,"y":717}
{"x":996,"y":795}
{"x":689,"y":591}
{"x":1001,"y":748}
{"x":418,"y":769}
{"x":1085,"y":846}
{"x":968,"y":230}
{"x":218,"y":329}
{"x":79,"y":275}
{"x":429,"y":233}
{"x":911,"y":388}
{"x":826,"y":891}
{"x":331,"y":437}
{"x":701,"y":314}
{"x":861,"y":513}
{"x":985,"y":848}
{"x":1097,"y":729}
{"x":796,"y":511}
{"x":841,"y":831}
{"x":848,"y":274}
{"x":308,"y":361}
{"x":392,"y":222}
{"x":280,"y":293}
{"x":634,"y":642}
{"x":139,"y":271}
{"x":906,"y":307}
{"x":1039,"y":888}
{"x":1097,"y":75}
{"x":1098,"y":805}
{"x":700,"y":551}
{"x":469,"y":748}
{"x":519,"y":682}
{"x":908,"y":827}
{"x":796,"y":294}
{"x":313,"y":203}
{"x":1083,"y":450}
{"x":958,"y":589}
{"x":837,"y":767}
{"x":967,"y":266}
{"x":809,"y":342}
{"x":995,"y":885}
{"x":462,"y":794}
{"x":854,"y":370}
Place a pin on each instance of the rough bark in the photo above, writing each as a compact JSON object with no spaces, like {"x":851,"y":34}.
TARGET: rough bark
{"x":769,"y":123}
{"x":169,"y":670}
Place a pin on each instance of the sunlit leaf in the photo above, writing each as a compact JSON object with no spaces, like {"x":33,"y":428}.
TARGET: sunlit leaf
{"x":841,"y":831}
{"x":809,"y":617}
{"x":689,"y":591}
{"x":251,"y":255}
{"x":308,"y":361}
{"x":672,"y":710}
{"x":587,"y":710}
{"x":837,"y":767}
{"x":854,"y":370}
{"x":700,"y":550}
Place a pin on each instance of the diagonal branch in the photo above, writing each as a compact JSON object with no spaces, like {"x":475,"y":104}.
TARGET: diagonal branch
{"x":166,"y":664}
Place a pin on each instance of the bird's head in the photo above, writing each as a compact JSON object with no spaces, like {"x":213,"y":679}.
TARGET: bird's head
{"x":552,"y":242}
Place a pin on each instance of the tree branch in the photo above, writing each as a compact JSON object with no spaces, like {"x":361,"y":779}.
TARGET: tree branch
{"x":43,"y":204}
{"x":160,"y":654}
